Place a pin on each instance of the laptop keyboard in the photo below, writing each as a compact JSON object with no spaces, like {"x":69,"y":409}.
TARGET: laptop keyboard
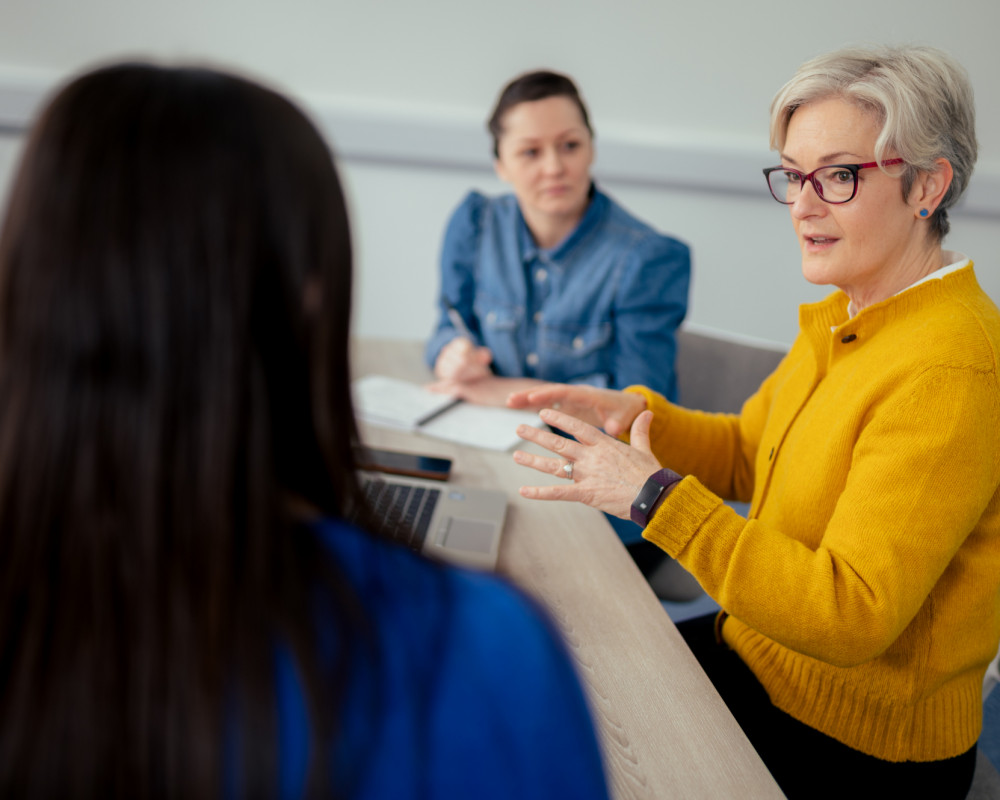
{"x":405,"y":509}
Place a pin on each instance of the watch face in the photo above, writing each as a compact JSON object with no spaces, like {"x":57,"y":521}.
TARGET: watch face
{"x":644,"y":501}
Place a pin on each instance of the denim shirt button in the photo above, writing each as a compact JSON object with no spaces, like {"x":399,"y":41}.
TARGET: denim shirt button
{"x":537,"y":316}
{"x":491,"y":317}
{"x":532,"y":359}
{"x":578,"y":343}
{"x":541,"y":274}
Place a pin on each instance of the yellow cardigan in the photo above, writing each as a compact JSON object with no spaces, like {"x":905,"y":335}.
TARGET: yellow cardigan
{"x":864,"y":586}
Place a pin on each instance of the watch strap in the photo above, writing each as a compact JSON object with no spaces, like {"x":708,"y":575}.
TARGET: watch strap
{"x":653,"y":492}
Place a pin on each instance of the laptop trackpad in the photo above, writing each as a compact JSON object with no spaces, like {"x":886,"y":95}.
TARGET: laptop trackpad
{"x":471,"y":535}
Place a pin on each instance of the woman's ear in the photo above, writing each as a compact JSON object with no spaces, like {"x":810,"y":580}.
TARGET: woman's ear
{"x":930,"y":187}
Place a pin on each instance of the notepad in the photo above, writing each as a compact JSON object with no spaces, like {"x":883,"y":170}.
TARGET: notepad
{"x":394,"y":403}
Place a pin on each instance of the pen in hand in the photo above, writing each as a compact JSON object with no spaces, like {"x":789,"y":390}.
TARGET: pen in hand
{"x":462,"y":360}
{"x":458,"y":323}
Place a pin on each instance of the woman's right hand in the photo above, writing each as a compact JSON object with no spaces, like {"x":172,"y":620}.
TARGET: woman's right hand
{"x":609,"y":409}
{"x":461,"y":361}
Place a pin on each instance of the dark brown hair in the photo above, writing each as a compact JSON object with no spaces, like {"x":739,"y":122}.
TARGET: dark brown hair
{"x":166,"y":392}
{"x":530,"y":87}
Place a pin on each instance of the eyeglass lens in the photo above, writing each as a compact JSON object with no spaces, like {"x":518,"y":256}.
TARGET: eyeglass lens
{"x":833,"y":184}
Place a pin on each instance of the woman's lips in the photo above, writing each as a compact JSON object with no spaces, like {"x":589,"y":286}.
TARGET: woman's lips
{"x":818,"y":244}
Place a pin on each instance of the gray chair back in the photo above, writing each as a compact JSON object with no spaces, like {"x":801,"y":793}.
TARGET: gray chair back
{"x":714,"y":374}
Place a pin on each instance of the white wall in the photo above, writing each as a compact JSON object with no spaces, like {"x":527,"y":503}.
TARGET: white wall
{"x":678,"y":94}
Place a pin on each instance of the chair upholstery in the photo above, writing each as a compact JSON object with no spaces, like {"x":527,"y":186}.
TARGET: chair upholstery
{"x":715,"y":374}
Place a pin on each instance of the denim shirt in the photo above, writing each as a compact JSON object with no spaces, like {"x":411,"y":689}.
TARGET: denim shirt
{"x":599,"y":308}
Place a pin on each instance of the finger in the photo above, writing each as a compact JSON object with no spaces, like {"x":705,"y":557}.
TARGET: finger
{"x":622,"y":412}
{"x":546,"y":395}
{"x":587,"y":434}
{"x":558,"y":491}
{"x":617,"y":424}
{"x":454,"y":354}
{"x":460,"y":345}
{"x":550,"y":466}
{"x":518,"y":399}
{"x":639,"y":434}
{"x":451,"y":361}
{"x":613,"y":426}
{"x":521,"y":400}
{"x":560,"y":445}
{"x":482,"y":356}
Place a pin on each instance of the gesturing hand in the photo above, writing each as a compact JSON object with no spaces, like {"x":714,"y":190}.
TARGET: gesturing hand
{"x":606,"y":473}
{"x":610,"y":409}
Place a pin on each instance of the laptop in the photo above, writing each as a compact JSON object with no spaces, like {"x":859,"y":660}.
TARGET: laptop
{"x":453,"y":523}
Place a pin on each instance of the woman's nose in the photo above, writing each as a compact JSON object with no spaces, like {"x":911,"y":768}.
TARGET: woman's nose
{"x":808,"y":202}
{"x":553,"y":162}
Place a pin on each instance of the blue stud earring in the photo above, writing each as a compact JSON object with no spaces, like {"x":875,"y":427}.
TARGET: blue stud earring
{"x":924,"y":212}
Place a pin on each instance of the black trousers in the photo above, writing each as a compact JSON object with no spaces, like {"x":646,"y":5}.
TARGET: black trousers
{"x":805,"y":762}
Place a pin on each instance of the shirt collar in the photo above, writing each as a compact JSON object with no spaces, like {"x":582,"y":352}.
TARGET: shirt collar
{"x":595,"y":210}
{"x":956,"y":261}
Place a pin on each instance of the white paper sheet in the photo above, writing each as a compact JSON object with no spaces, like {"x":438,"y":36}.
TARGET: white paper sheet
{"x":393,"y":403}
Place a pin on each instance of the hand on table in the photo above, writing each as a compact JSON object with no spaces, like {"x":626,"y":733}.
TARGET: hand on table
{"x":609,"y":409}
{"x":493,"y":390}
{"x":461,"y":361}
{"x":606,"y":474}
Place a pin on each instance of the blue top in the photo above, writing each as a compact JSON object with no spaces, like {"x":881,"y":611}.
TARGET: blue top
{"x":473,"y":694}
{"x":599,"y":308}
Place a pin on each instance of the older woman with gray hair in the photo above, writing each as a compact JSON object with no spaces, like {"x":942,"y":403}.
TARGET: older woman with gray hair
{"x":860,"y":592}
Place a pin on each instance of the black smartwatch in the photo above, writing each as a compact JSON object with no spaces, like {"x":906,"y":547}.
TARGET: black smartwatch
{"x":653,"y":491}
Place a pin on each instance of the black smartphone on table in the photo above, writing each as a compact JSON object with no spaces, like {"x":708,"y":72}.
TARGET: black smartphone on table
{"x":396,"y":462}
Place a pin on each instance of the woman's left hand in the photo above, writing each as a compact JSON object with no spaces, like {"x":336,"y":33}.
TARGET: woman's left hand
{"x":606,"y":473}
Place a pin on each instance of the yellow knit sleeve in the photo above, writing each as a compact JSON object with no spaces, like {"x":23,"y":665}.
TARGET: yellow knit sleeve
{"x":707,"y":445}
{"x":854,"y":534}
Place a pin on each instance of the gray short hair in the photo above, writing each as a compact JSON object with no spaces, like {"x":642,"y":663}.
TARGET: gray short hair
{"x":920,"y":96}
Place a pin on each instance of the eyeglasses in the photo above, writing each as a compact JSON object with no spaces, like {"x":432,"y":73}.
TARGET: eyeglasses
{"x":837,"y":183}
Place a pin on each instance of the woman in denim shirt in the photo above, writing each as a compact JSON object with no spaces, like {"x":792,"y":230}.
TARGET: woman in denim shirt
{"x":555,"y":282}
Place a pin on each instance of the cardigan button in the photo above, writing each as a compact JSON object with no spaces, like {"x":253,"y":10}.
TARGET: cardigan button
{"x":848,"y":339}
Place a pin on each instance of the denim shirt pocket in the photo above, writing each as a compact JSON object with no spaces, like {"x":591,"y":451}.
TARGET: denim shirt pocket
{"x":575,"y":351}
{"x":500,"y":325}
{"x":499,"y":319}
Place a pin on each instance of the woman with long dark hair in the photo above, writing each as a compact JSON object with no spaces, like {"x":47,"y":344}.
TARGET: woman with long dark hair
{"x":183,"y":610}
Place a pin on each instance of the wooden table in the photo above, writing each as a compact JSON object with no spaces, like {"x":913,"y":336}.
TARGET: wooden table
{"x":665,"y":731}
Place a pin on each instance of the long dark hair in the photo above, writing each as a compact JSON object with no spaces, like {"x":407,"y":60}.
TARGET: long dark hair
{"x":175,"y":284}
